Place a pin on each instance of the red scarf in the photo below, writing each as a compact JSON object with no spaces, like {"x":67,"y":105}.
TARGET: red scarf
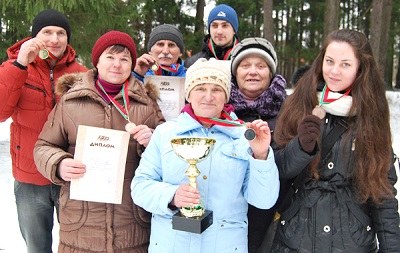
{"x":189,"y":110}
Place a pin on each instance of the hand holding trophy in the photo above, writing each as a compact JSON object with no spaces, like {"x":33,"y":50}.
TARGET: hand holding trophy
{"x":193,"y":218}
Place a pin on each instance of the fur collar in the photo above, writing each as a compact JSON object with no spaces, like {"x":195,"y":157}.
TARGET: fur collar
{"x":69,"y":81}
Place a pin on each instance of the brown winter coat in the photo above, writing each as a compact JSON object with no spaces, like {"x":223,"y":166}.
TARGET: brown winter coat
{"x":91,"y":226}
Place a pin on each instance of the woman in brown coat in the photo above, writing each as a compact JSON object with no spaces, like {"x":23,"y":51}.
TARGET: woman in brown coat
{"x":95,"y":99}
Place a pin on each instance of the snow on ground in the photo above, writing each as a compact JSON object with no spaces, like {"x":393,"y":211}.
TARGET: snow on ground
{"x":10,"y":237}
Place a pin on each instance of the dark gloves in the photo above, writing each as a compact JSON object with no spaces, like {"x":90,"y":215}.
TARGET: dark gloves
{"x":308,"y":131}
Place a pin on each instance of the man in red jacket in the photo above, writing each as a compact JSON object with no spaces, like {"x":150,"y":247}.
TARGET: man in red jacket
{"x":27,"y":96}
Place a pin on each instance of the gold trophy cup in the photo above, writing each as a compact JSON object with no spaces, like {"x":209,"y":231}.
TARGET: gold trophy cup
{"x":194,"y":218}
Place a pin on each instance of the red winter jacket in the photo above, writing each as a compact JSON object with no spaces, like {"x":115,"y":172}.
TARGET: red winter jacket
{"x":27,"y":96}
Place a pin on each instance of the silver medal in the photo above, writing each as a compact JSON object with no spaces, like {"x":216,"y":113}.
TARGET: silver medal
{"x":250,"y":134}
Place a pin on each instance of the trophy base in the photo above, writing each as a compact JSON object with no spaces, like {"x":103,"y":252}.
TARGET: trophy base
{"x":194,"y":224}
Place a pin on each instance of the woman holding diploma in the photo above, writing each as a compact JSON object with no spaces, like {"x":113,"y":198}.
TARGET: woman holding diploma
{"x":108,"y":97}
{"x":334,"y":133}
{"x":236,"y":172}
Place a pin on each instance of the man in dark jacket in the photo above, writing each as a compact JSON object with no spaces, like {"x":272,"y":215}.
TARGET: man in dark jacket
{"x":222,"y":25}
{"x":27,"y":96}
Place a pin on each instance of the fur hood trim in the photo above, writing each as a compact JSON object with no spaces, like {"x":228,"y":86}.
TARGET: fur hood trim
{"x":66,"y":82}
{"x":152,"y":90}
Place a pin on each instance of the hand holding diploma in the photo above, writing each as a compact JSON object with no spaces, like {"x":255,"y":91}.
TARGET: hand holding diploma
{"x":70,"y":168}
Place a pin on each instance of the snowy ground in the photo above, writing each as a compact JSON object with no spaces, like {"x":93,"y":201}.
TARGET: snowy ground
{"x":10,"y":237}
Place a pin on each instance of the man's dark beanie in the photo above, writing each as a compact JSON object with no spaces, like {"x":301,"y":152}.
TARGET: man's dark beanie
{"x":166,"y":32}
{"x":50,"y":18}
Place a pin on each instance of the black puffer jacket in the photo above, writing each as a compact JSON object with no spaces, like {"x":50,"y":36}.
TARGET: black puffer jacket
{"x":206,"y":52}
{"x":324,"y":217}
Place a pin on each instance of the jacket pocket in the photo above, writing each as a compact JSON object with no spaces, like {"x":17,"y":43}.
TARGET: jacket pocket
{"x":292,"y":225}
{"x":359,"y":226}
{"x":73,"y":213}
{"x":232,"y":233}
{"x":32,"y":98}
{"x":235,"y":164}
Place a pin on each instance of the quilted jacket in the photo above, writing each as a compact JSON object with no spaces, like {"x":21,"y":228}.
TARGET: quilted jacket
{"x":27,"y":96}
{"x":324,"y":215}
{"x":91,"y":226}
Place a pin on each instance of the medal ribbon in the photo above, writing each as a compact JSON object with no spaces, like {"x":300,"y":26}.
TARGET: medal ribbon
{"x":226,"y":121}
{"x":124,"y":111}
{"x":324,"y":97}
{"x":52,"y":56}
{"x":227,"y":54}
{"x":158,"y":72}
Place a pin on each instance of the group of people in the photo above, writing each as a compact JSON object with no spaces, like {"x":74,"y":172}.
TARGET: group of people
{"x":345,"y":201}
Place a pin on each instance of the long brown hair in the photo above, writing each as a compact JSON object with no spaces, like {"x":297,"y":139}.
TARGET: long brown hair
{"x":371,"y":125}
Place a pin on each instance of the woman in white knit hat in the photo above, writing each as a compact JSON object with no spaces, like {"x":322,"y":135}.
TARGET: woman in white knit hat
{"x":235,"y":173}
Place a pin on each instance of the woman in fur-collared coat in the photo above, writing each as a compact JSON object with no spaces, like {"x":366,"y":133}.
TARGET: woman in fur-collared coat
{"x":92,"y":99}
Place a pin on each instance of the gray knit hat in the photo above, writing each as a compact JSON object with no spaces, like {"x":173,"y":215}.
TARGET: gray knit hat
{"x":254,"y":46}
{"x":166,"y":32}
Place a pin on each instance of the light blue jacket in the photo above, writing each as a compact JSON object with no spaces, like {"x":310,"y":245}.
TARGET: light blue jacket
{"x":230,"y":178}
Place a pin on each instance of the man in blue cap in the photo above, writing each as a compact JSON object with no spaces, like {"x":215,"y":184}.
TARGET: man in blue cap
{"x":222,"y":25}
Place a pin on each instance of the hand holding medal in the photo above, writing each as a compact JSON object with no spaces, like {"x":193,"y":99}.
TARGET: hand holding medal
{"x":44,"y":54}
{"x":261,"y":138}
{"x":250,"y":133}
{"x":130,"y":126}
{"x":154,"y":67}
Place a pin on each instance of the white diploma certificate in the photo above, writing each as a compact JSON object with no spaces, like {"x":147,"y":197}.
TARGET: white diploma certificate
{"x":172,"y":94}
{"x":104,"y":152}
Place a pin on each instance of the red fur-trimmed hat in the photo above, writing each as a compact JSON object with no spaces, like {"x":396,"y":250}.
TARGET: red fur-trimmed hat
{"x":113,"y":38}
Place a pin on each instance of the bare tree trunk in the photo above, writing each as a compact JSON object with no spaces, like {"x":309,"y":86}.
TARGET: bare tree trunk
{"x":268,"y":21}
{"x":199,"y":27}
{"x":397,"y":86}
{"x":380,"y":24}
{"x":331,"y":17}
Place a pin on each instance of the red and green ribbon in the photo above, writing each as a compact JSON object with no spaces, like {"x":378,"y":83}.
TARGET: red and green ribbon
{"x":158,"y":72}
{"x":226,"y":121}
{"x":227,"y":54}
{"x":324,"y":96}
{"x":123,"y":110}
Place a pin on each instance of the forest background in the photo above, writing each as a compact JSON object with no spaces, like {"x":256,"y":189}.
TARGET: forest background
{"x":295,"y":27}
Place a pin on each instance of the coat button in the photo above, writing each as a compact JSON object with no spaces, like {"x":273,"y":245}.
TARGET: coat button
{"x":205,"y":177}
{"x":369,"y":228}
{"x":330,"y":165}
{"x":233,"y":154}
{"x":327,"y":229}
{"x":283,"y":222}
